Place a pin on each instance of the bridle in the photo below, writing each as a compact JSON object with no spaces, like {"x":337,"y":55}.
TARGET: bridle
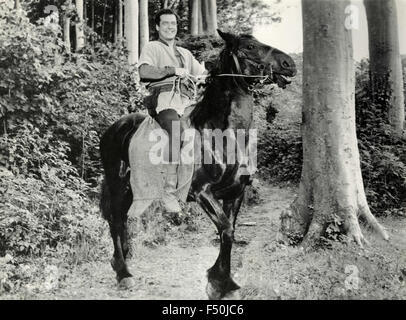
{"x":241,"y":75}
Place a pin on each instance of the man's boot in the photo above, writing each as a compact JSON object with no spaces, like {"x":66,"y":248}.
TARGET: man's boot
{"x":169,"y":198}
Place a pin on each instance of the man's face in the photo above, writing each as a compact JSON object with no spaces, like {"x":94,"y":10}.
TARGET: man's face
{"x":167,"y":28}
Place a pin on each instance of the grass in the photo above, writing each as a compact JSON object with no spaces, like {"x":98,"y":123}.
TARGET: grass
{"x":331,"y":272}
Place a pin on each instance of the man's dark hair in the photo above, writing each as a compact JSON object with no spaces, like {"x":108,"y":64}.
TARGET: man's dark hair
{"x":162,"y":12}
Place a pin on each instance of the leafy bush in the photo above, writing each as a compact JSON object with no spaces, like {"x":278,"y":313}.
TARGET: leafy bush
{"x":75,"y":97}
{"x":53,"y":109}
{"x":383,"y":157}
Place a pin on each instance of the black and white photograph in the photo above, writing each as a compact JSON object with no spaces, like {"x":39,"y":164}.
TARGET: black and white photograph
{"x":197,"y":150}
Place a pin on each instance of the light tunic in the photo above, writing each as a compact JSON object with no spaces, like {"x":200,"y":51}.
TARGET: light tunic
{"x":160,"y":54}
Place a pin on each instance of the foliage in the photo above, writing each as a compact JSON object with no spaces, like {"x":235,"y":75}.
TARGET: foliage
{"x":75,"y":97}
{"x":383,"y":157}
{"x":53,"y":109}
{"x":240,"y":16}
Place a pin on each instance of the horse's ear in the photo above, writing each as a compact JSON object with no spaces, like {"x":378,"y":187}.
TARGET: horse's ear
{"x":227,"y":37}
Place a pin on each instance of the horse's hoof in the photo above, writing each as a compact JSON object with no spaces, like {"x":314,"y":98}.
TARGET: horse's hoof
{"x":212,"y":292}
{"x":232,"y":295}
{"x":226,"y":289}
{"x":126,"y":283}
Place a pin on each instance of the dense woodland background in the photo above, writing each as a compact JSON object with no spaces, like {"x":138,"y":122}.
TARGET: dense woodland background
{"x":56,"y":100}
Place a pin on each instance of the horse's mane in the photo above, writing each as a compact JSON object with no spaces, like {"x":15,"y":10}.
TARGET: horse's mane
{"x":214,"y":106}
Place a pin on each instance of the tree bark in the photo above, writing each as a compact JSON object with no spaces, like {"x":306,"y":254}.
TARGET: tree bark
{"x":194,"y":17}
{"x":66,"y":33}
{"x":144,"y":26}
{"x":120,"y":20}
{"x":212,"y":17}
{"x":205,"y":15}
{"x":331,"y":183}
{"x":131,"y":29}
{"x":200,"y":27}
{"x":385,"y":61}
{"x":79,"y":26}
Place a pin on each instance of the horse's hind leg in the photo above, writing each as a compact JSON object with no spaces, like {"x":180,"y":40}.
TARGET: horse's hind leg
{"x":120,"y":203}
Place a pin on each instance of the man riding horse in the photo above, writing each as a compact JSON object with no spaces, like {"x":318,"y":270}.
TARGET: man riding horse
{"x":161,"y":63}
{"x":226,"y":104}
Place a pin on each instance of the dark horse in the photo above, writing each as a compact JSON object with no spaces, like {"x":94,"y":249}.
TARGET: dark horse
{"x":227,"y":103}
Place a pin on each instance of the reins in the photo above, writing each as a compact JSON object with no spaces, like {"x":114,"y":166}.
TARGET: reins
{"x":176,"y":81}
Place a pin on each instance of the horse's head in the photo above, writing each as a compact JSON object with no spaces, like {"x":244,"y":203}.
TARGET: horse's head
{"x":248,"y":56}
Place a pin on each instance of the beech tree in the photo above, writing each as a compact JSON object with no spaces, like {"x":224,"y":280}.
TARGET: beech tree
{"x":331,"y":184}
{"x":144,"y":26}
{"x":131,"y":29}
{"x":194,"y":17}
{"x":385,"y":61}
{"x":79,"y":31}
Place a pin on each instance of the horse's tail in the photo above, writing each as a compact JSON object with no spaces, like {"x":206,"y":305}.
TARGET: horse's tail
{"x":114,"y":144}
{"x":105,"y":201}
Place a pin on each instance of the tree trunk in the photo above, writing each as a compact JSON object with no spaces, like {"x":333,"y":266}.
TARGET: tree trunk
{"x":194,"y":18}
{"x":205,"y":15}
{"x":331,"y":183}
{"x":79,"y":26}
{"x":120,"y":20}
{"x":115,"y":22}
{"x":385,"y":61}
{"x":17,"y":4}
{"x":200,"y":27}
{"x":212,"y":15}
{"x":131,"y":29}
{"x":66,"y":33}
{"x":144,"y":26}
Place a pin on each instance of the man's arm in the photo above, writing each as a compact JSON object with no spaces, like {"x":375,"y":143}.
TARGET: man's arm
{"x":150,"y":73}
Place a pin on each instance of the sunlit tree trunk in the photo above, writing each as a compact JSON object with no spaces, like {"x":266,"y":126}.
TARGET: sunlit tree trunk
{"x":385,"y":60}
{"x":131,"y":29}
{"x":331,"y":183}
{"x":17,"y":4}
{"x":79,"y":26}
{"x":66,"y":32}
{"x":144,"y":26}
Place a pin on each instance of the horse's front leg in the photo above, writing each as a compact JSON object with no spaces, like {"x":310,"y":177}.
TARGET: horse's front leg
{"x":220,"y":282}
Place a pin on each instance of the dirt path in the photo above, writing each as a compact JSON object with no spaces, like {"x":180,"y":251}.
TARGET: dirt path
{"x":177,"y":270}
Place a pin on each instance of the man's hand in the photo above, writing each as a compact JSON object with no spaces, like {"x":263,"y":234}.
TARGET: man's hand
{"x":181,"y":72}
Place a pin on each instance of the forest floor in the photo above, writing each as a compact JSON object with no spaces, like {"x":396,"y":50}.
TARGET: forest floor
{"x":171,"y":263}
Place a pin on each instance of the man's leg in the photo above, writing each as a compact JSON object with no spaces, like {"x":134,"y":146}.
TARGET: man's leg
{"x":169,"y":120}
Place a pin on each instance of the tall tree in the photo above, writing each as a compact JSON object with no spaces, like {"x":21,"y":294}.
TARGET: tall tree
{"x":194,"y":17}
{"x":204,"y":7}
{"x":79,"y":26}
{"x":144,"y":26}
{"x":212,"y":15}
{"x":385,"y":60}
{"x":331,"y":184}
{"x":131,"y":29}
{"x":120,"y":20}
{"x":200,"y":27}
